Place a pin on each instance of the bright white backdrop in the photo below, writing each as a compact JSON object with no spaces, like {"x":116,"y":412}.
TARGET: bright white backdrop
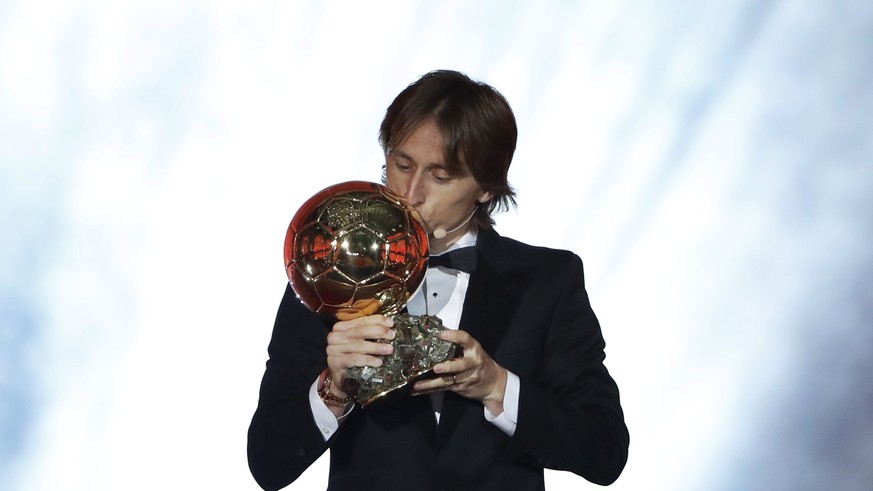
{"x":711,"y":162}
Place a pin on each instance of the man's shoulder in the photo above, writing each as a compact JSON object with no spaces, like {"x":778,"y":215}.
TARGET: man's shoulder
{"x":539,"y":255}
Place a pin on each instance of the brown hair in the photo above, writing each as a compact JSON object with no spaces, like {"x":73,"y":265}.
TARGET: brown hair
{"x":477,"y":126}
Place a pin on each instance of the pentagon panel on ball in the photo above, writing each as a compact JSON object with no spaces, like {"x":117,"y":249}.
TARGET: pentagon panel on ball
{"x":355,"y":241}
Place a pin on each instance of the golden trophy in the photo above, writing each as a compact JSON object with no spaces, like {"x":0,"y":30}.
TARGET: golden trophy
{"x":358,"y":248}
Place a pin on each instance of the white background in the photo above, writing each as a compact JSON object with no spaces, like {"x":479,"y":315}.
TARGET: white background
{"x":711,"y":162}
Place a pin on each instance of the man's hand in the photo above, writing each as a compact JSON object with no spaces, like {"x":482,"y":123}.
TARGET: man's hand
{"x":352,"y":342}
{"x":475,"y":374}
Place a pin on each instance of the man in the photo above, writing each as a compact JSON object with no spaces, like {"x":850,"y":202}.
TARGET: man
{"x":529,"y":391}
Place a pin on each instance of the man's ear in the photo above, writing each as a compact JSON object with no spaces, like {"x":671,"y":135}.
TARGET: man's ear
{"x":484,"y":197}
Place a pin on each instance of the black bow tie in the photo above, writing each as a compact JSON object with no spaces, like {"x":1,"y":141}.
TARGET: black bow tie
{"x":463,"y":259}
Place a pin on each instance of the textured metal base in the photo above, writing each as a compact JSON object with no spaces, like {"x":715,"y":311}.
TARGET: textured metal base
{"x":417,"y":348}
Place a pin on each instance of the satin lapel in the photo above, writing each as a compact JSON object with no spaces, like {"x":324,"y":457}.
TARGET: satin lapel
{"x":493,"y":296}
{"x":492,"y":299}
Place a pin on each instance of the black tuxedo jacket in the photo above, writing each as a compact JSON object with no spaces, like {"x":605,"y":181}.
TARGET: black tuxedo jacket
{"x":528,"y":308}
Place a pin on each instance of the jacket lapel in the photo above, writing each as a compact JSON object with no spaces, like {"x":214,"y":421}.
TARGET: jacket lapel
{"x":493,"y":297}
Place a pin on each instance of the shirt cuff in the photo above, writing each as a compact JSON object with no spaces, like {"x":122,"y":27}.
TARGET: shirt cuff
{"x":508,"y":419}
{"x":324,"y":418}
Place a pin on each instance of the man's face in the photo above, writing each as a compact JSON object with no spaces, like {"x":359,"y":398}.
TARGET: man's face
{"x":416,"y":170}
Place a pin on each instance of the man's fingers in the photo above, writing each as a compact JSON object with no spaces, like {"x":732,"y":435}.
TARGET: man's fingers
{"x":434,"y":385}
{"x":456,"y":365}
{"x":376,"y":331}
{"x":361,"y":360}
{"x":376,"y":320}
{"x":457,"y":336}
{"x":360,"y":346}
{"x":348,"y":360}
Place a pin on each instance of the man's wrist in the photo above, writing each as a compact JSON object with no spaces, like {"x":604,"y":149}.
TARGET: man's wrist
{"x":494,"y":400}
{"x":332,"y":396}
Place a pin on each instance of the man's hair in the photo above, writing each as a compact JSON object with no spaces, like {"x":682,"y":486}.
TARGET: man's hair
{"x":477,"y":126}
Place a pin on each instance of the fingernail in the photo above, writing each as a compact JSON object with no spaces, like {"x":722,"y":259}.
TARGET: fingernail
{"x":389,"y":321}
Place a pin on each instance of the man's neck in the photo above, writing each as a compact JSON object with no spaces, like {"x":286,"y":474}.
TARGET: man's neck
{"x":459,"y":239}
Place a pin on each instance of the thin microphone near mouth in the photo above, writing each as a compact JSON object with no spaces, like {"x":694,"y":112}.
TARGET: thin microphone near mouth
{"x":440,"y":233}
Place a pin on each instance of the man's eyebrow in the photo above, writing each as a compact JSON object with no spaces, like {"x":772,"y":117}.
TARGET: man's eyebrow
{"x":404,"y":155}
{"x":400,"y":153}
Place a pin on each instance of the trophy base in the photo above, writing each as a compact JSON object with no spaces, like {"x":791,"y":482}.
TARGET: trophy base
{"x":417,"y":348}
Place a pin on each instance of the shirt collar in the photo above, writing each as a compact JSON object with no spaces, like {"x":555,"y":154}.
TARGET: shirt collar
{"x":467,"y":240}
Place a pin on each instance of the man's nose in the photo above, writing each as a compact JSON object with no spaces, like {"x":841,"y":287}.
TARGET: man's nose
{"x":414,"y":192}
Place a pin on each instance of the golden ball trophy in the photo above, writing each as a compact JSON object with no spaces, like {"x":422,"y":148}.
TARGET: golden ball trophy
{"x":357,"y":248}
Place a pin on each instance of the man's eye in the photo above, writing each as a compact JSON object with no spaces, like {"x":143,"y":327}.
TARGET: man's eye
{"x":402,"y":166}
{"x":442,"y":177}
